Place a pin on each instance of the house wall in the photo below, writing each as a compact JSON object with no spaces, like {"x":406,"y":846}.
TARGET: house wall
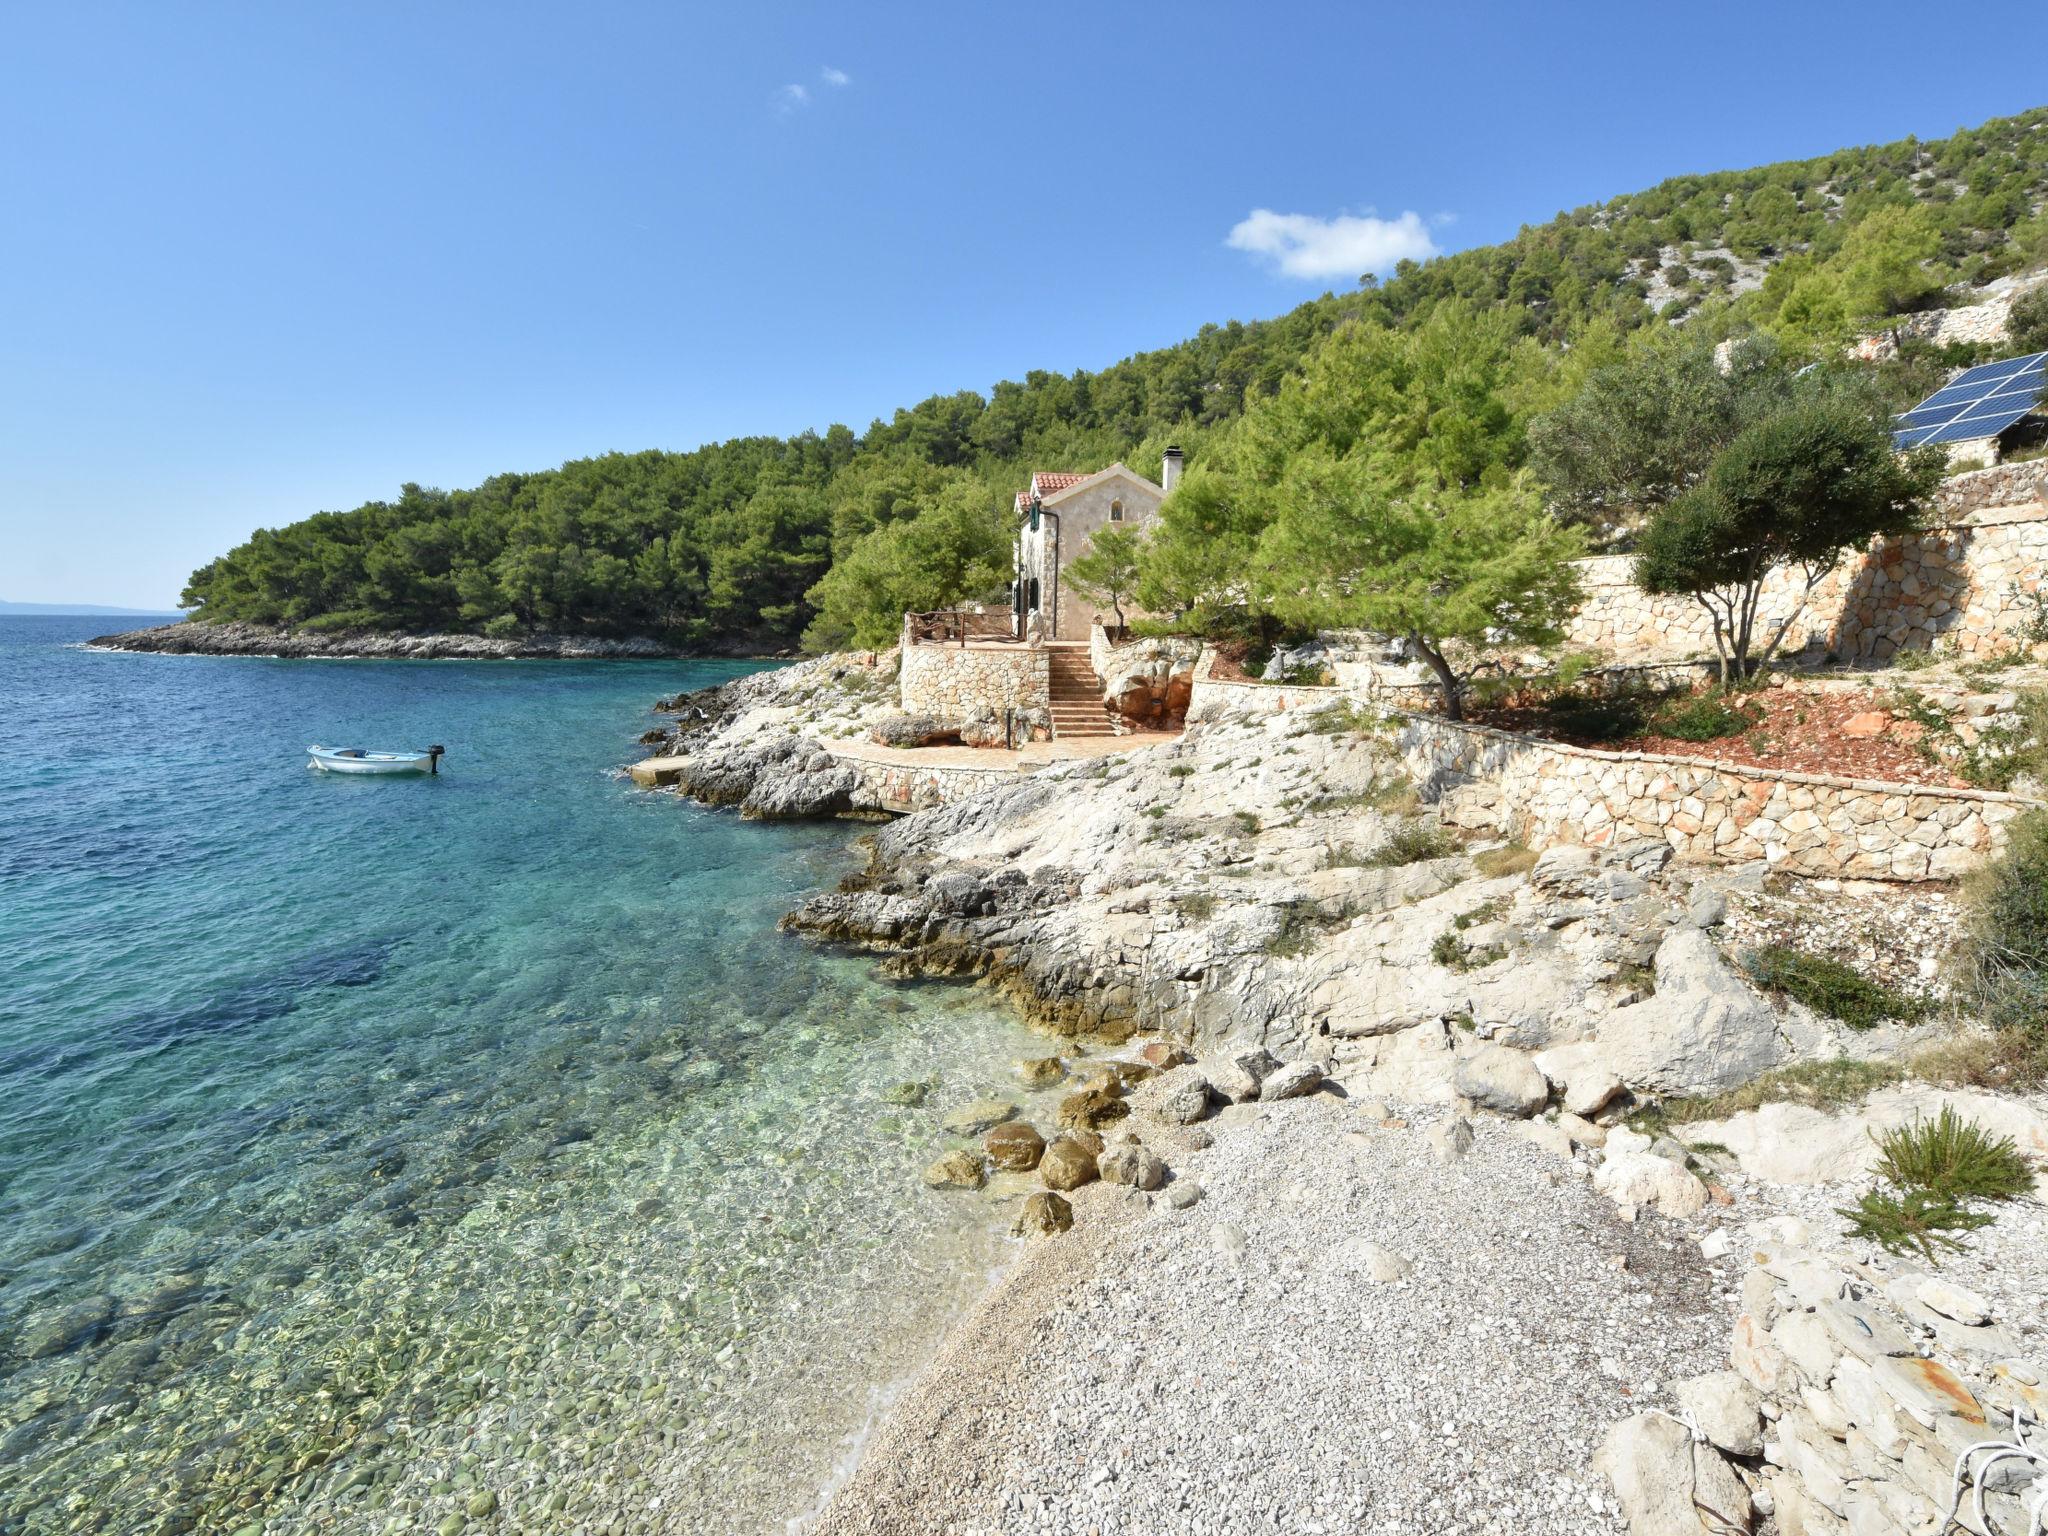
{"x":1082,"y":514}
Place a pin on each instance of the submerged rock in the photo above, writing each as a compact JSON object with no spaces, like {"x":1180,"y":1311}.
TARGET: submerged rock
{"x":1015,"y":1145}
{"x":1043,"y":1215}
{"x":1038,"y":1071}
{"x":973,"y":1119}
{"x":956,"y":1170}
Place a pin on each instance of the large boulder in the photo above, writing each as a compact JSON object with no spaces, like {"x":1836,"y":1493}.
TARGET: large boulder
{"x":1237,"y":1070}
{"x":1668,"y":1486}
{"x":1015,"y":1145}
{"x":1295,"y":1080}
{"x":1134,"y":1165}
{"x":913,"y":731}
{"x":1066,"y":1164}
{"x":1637,"y":1179}
{"x":1149,"y":683}
{"x":1187,"y":1101}
{"x":1727,"y":1410}
{"x":1703,"y":1032}
{"x":1502,"y":1079}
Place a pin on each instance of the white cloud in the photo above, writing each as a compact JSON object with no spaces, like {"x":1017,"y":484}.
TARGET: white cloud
{"x":1307,"y":246}
{"x":790,"y":97}
{"x":833,"y":76}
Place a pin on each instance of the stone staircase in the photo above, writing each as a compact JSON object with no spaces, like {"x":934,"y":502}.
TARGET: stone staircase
{"x":1075,"y":694}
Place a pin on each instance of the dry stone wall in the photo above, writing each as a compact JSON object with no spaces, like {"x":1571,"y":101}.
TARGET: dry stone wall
{"x":2003,"y":485}
{"x":1971,"y":587}
{"x":1872,"y":1387}
{"x":1544,"y":793}
{"x":957,"y":683}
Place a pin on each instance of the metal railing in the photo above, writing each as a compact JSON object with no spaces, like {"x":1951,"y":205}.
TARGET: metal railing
{"x":956,"y":626}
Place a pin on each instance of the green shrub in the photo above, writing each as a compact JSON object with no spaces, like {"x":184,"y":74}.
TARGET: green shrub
{"x":2003,"y":958}
{"x":1412,"y":842}
{"x":1704,"y":717}
{"x":1450,"y":950}
{"x":1345,"y":718}
{"x":1830,"y":987}
{"x":1819,"y":1084}
{"x":1935,"y":1168}
{"x":1954,"y":1159}
{"x":1914,"y":1221}
{"x":1596,"y":717}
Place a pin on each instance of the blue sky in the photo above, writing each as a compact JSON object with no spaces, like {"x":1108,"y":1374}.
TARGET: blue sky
{"x":262,"y":260}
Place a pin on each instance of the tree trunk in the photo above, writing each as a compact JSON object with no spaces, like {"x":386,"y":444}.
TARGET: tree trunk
{"x":1446,"y":679}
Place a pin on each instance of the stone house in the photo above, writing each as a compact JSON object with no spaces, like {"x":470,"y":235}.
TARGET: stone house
{"x":1058,"y":516}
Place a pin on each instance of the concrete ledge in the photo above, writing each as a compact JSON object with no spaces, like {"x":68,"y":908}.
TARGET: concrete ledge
{"x":654,"y":771}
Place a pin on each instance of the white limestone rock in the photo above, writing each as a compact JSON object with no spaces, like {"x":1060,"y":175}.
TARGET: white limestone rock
{"x":1668,"y":1486}
{"x":1727,"y":1409}
{"x":1634,"y":1180}
{"x":1703,"y":1032}
{"x":1503,"y":1079}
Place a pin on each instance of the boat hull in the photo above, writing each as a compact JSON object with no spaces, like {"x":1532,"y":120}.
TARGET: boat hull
{"x":327,"y":761}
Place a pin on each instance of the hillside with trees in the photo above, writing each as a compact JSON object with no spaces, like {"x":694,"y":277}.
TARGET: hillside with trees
{"x":828,"y":537}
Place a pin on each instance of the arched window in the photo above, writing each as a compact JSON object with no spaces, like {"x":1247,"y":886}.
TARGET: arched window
{"x":1116,"y":511}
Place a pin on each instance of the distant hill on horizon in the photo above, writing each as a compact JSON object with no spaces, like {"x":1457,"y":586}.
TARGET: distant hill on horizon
{"x":86,"y":610}
{"x":731,"y":544}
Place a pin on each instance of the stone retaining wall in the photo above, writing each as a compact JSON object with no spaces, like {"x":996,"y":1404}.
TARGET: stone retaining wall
{"x":2003,"y":485}
{"x":899,"y":788}
{"x":955,"y":683}
{"x":1545,"y":793}
{"x":1965,"y":587}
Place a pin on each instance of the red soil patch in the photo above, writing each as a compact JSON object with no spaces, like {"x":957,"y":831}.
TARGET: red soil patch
{"x":1796,"y":731}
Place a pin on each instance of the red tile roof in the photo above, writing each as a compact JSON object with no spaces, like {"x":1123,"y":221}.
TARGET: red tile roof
{"x":1047,"y":482}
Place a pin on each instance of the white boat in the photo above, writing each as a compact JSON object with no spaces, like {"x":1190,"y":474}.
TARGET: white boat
{"x":356,"y":760}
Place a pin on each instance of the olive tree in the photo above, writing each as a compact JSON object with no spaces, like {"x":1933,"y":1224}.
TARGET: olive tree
{"x":1794,"y":492}
{"x":1108,"y":572}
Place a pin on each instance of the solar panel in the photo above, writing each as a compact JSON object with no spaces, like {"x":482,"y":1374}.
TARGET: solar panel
{"x":1978,"y":402}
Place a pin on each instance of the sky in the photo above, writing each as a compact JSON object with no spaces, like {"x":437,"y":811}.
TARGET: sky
{"x":262,"y":260}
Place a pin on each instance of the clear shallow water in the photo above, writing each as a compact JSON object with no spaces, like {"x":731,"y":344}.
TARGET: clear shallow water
{"x":369,"y":1147}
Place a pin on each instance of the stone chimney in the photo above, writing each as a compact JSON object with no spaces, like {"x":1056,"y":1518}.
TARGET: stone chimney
{"x":1169,"y":469}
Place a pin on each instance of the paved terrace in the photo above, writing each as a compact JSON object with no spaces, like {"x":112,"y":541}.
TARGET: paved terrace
{"x":963,"y":762}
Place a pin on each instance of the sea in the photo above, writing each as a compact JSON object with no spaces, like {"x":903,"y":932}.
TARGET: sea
{"x":440,"y":1153}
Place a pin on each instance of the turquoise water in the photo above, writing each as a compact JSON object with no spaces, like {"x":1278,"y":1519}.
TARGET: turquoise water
{"x":371,"y":1151}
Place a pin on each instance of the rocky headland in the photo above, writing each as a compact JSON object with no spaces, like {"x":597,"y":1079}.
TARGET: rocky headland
{"x":1392,"y":1179}
{"x":196,"y":638}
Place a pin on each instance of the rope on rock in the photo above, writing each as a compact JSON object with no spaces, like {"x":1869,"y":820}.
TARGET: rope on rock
{"x":1967,"y":1476}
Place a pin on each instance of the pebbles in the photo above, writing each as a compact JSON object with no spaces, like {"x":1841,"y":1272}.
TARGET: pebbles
{"x":1358,"y":1338}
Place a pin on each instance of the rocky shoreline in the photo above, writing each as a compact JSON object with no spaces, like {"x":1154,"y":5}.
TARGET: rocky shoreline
{"x":195,"y":638}
{"x":1424,"y":1283}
